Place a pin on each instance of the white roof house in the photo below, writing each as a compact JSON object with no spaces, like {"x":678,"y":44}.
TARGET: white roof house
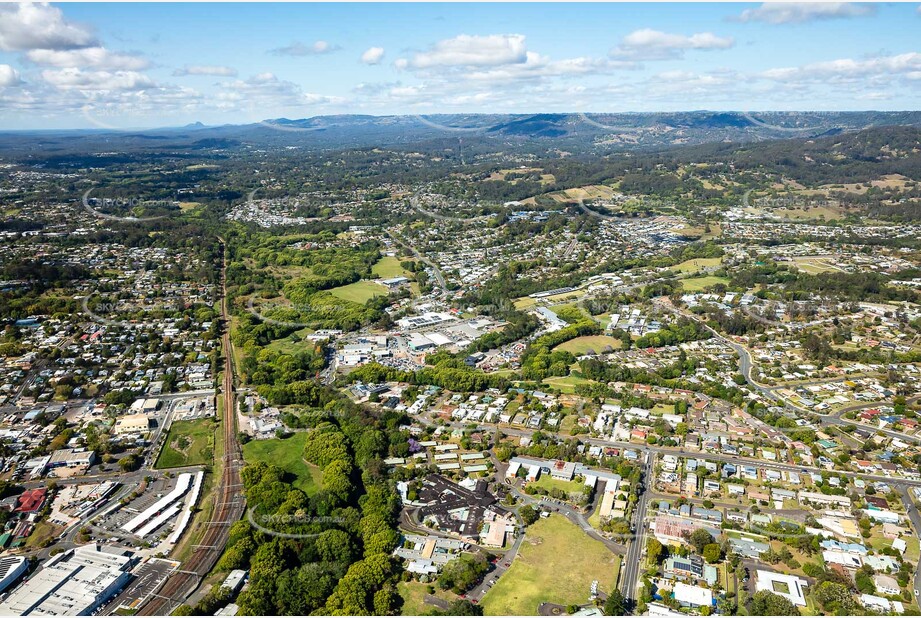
{"x":694,"y":596}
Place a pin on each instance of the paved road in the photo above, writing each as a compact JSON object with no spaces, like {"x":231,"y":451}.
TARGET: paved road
{"x":414,"y":203}
{"x":436,"y":271}
{"x":745,"y":368}
{"x":912,"y":510}
{"x":637,"y":549}
{"x":715,"y":456}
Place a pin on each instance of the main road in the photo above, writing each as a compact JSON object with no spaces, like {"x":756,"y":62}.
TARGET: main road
{"x":637,"y":548}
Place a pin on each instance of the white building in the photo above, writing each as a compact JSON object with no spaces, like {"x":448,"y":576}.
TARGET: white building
{"x":692,"y":596}
{"x":72,"y":583}
{"x":789,"y":587}
{"x":11,"y":569}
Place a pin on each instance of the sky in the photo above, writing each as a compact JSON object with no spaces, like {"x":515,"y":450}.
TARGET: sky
{"x":76,"y":65}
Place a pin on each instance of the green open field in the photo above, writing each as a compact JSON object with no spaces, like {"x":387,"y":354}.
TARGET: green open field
{"x":696,"y":284}
{"x":287,"y":345}
{"x":388,"y":267}
{"x":547,"y":482}
{"x":815,"y":265}
{"x":566,"y":384}
{"x":692,"y":266}
{"x":188,"y":443}
{"x":414,"y":594}
{"x":557,"y":564}
{"x":287,"y":455}
{"x":581,"y":345}
{"x":359,"y":292}
{"x":44,"y":533}
{"x":525,"y":303}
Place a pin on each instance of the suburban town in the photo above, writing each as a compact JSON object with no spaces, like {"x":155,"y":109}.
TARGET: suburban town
{"x":332,"y":360}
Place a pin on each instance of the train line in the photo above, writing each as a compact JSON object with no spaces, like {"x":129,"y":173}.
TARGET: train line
{"x":230,"y":503}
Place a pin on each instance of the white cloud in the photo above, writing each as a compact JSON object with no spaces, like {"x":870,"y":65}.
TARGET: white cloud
{"x":648,"y":44}
{"x":204,"y":69}
{"x":847,"y":69}
{"x":373,"y":55}
{"x":28,"y":26}
{"x":8,"y":76}
{"x":95,"y":57}
{"x":537,"y":66}
{"x":470,"y":51}
{"x":78,"y":79}
{"x":875,"y":96}
{"x":800,"y":12}
{"x":297,"y":48}
{"x":266,"y":91}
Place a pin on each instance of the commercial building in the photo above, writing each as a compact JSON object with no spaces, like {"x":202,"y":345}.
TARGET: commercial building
{"x":72,"y":458}
{"x":11,"y":569}
{"x":72,"y":583}
{"x":132,"y":423}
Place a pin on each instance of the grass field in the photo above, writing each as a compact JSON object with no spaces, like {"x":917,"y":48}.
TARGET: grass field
{"x":189,"y":443}
{"x":359,"y":292}
{"x":290,"y":346}
{"x":43,"y":533}
{"x":388,"y":267}
{"x":815,"y":265}
{"x":557,"y":564}
{"x":525,"y":302}
{"x":548,"y":482}
{"x":413,"y":594}
{"x":286,"y":454}
{"x":566,"y":384}
{"x":692,"y":266}
{"x":696,"y":284}
{"x":581,"y":345}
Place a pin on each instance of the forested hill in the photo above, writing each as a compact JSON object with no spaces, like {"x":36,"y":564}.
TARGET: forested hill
{"x":842,"y":158}
{"x":481,"y":134}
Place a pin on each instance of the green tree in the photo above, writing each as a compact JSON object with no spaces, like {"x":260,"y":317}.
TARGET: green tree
{"x":699,"y":539}
{"x":767,"y":603}
{"x":712,"y":553}
{"x":616,"y":604}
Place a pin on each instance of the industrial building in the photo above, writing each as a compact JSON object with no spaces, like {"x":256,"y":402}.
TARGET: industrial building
{"x":72,"y":583}
{"x":11,"y":569}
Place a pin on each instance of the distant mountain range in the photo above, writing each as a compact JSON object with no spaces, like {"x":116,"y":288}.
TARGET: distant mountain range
{"x":479,"y":133}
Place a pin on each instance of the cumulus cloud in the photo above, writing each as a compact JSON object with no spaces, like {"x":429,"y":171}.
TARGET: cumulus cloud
{"x":27,"y":26}
{"x":536,"y":66}
{"x":267,"y":91}
{"x":8,"y":76}
{"x":204,"y":69}
{"x":801,"y":12}
{"x":317,"y":48}
{"x":78,"y":79}
{"x":373,"y":55}
{"x":95,"y":57}
{"x":648,"y":44}
{"x":847,"y":69}
{"x":469,"y":51}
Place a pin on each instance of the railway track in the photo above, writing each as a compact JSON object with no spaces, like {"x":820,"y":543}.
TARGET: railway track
{"x":230,"y":503}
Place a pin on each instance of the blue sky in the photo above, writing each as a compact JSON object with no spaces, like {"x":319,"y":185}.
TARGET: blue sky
{"x":128,"y":65}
